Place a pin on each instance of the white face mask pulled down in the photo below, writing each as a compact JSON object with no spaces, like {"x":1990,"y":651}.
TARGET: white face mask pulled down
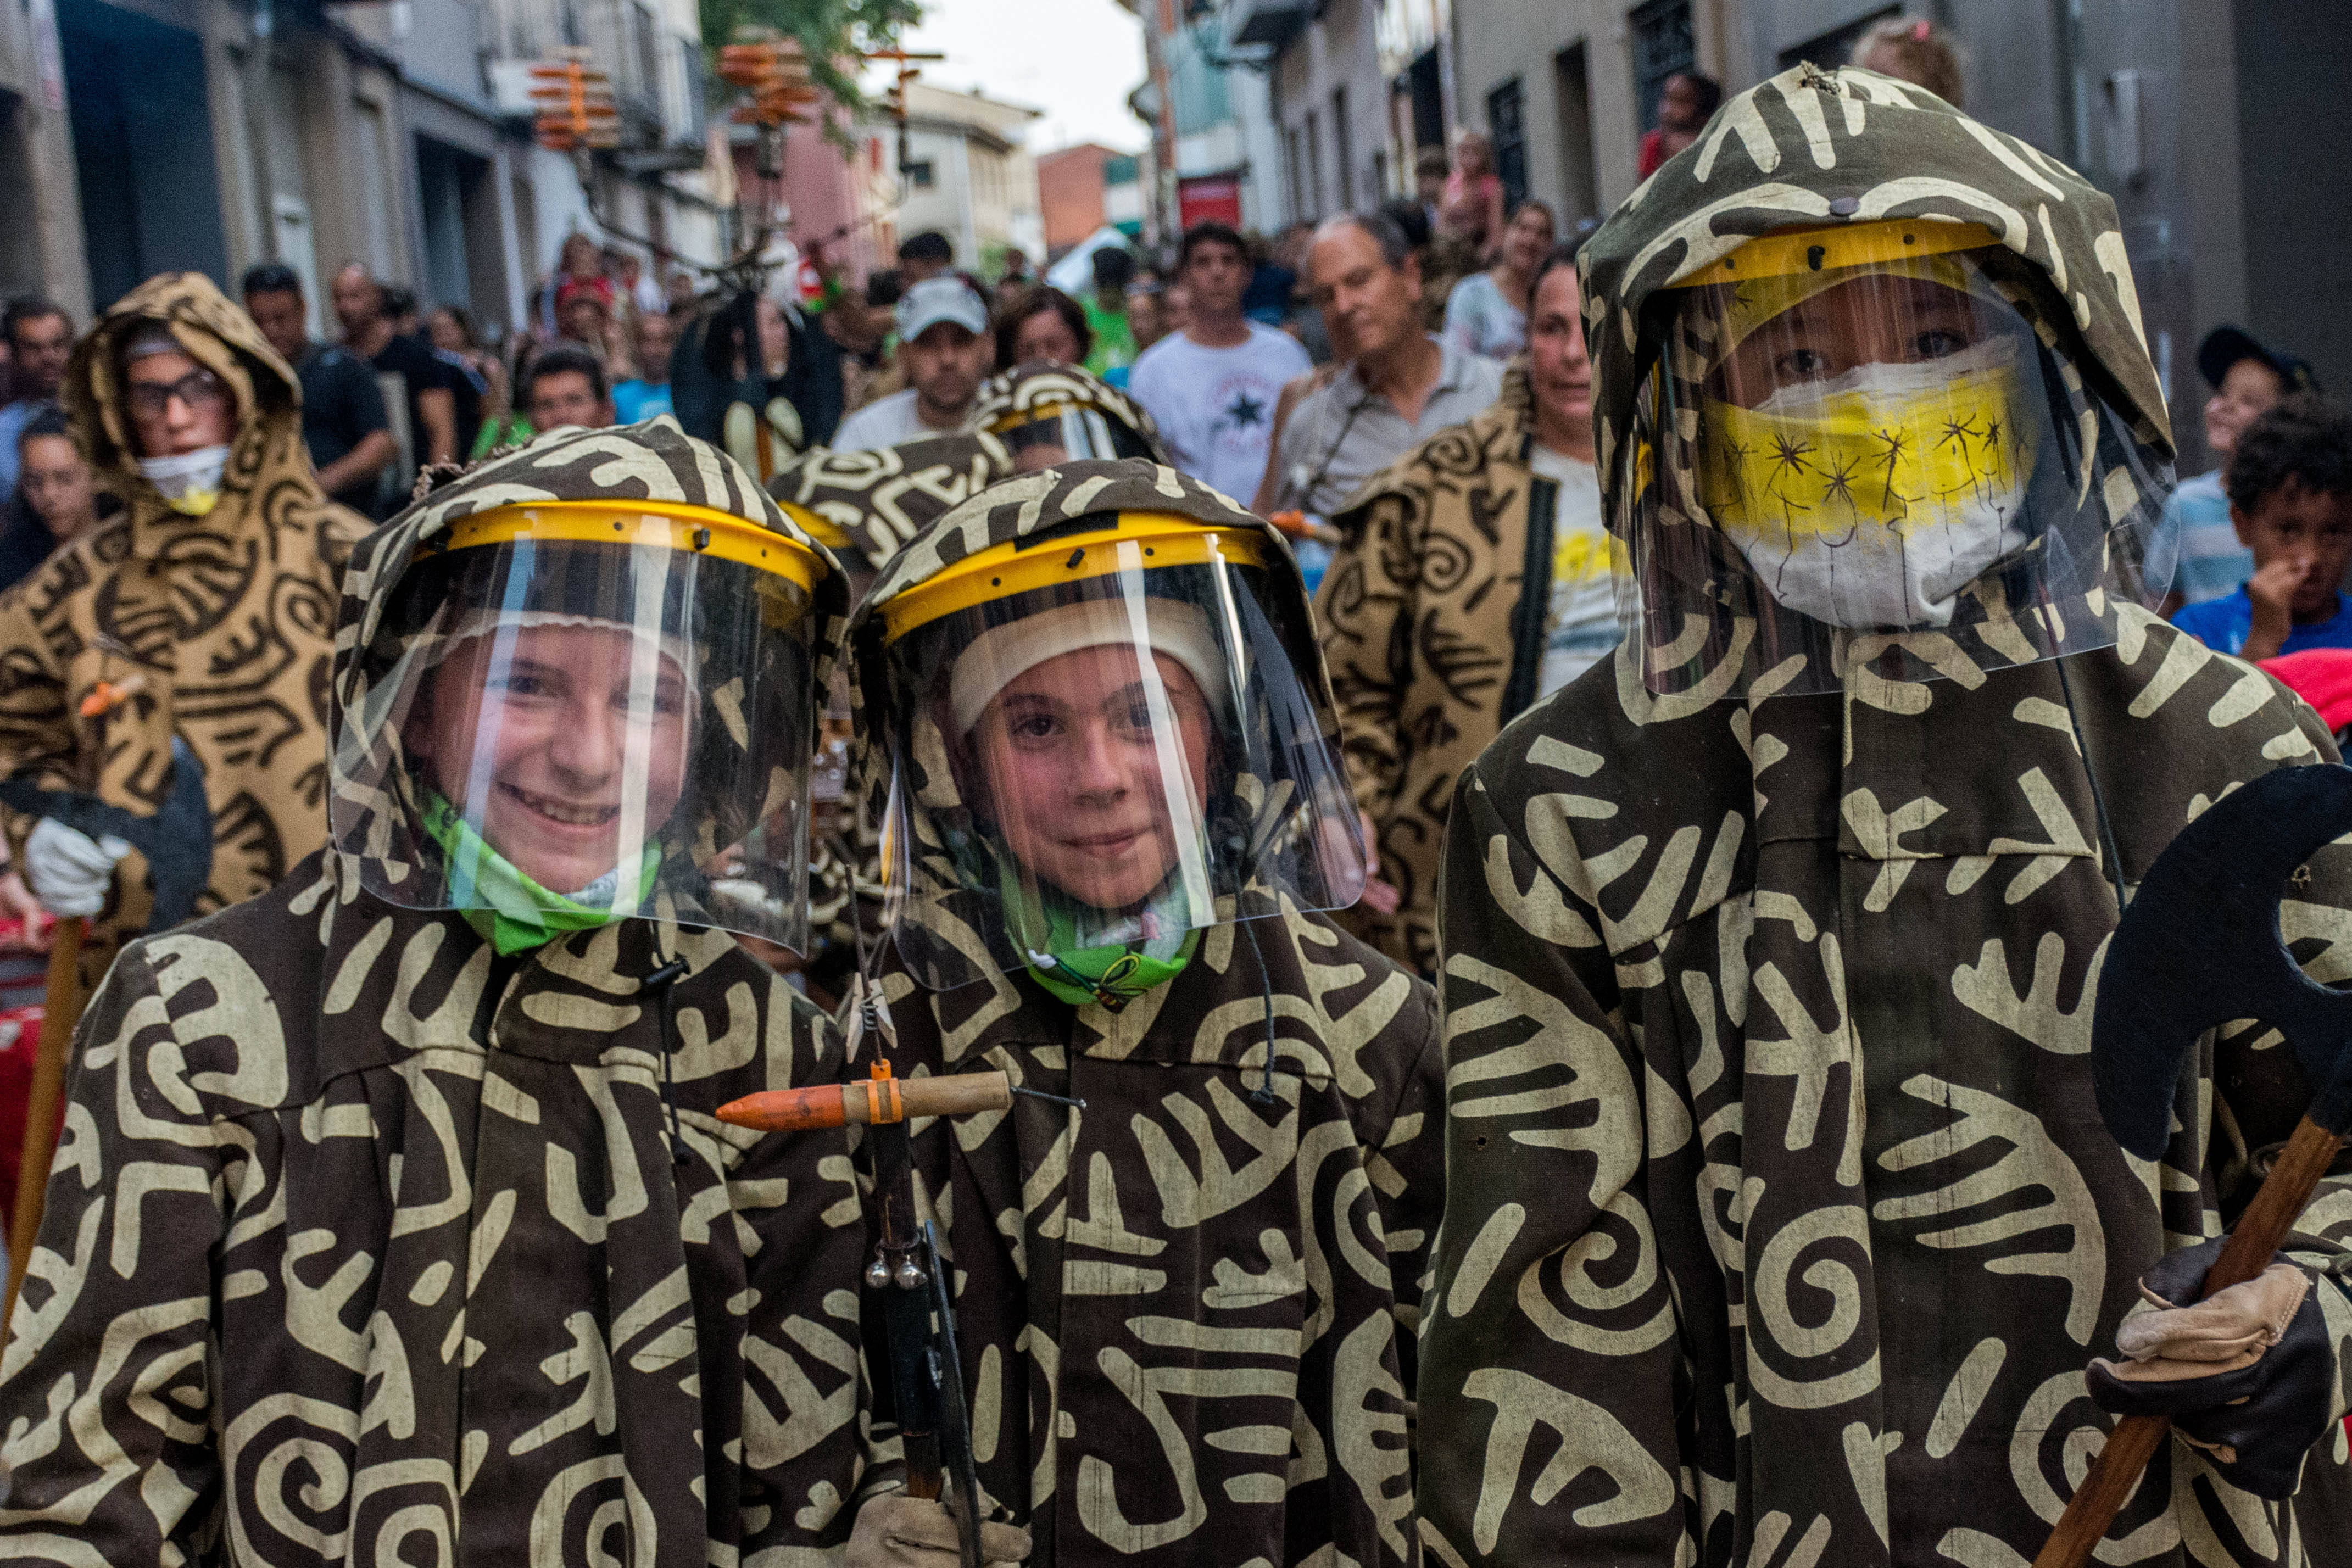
{"x":190,"y":482}
{"x":1869,"y":501}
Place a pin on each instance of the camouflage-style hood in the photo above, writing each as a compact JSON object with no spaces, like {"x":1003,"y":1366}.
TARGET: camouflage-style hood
{"x":879,"y":499}
{"x":267,"y":457}
{"x":1813,"y":147}
{"x":1040,"y":385}
{"x":1033,"y":504}
{"x":655,"y":460}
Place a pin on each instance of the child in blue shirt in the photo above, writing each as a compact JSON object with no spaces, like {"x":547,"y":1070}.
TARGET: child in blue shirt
{"x":2290,"y":489}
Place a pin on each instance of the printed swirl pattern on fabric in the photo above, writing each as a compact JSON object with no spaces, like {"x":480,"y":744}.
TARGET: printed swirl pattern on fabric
{"x":355,"y":1227}
{"x":1781,"y":1220}
{"x":1187,"y":1311}
{"x":224,"y":623}
{"x":1420,"y":621}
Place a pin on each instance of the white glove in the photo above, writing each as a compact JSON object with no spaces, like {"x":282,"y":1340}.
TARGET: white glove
{"x":895,"y":1531}
{"x":67,"y":870}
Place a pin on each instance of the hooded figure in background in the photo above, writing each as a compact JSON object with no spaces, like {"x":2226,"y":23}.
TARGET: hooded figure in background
{"x":203,"y":612}
{"x":1030,"y":417}
{"x":1108,"y":769}
{"x":752,"y":377}
{"x":1047,"y":415}
{"x":1781,"y":1222}
{"x":392,"y":1202}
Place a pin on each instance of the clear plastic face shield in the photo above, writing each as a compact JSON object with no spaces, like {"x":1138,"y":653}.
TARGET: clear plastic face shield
{"x":1101,"y":739}
{"x":1854,"y":447}
{"x":585,"y":712}
{"x":1062,"y":433}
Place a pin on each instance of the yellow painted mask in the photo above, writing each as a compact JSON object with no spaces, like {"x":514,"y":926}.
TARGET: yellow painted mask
{"x":1872,"y":499}
{"x":1862,"y":441}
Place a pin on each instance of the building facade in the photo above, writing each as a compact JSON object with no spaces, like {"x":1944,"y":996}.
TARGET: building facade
{"x":41,"y":252}
{"x":967,"y":173}
{"x":212,"y":134}
{"x":1071,"y":188}
{"x":1565,"y":88}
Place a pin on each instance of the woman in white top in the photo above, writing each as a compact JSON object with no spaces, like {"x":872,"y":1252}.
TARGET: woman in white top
{"x":1488,"y":311}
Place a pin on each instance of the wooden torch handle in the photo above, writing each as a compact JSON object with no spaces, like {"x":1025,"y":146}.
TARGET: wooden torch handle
{"x":2116,"y":1473}
{"x":60,"y":1010}
{"x":832,"y":1104}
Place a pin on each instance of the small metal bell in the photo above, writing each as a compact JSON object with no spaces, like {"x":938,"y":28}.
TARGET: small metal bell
{"x":877,"y":1273}
{"x":910,"y":1274}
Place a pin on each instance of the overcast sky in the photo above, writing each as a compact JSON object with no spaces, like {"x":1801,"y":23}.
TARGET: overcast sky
{"x":1075,"y":59}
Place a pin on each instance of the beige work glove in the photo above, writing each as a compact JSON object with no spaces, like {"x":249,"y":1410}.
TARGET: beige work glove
{"x":2245,"y":1375}
{"x":2226,"y":1332}
{"x":895,"y":1531}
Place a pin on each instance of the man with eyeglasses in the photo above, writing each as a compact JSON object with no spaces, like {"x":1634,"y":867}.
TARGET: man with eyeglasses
{"x":203,"y":614}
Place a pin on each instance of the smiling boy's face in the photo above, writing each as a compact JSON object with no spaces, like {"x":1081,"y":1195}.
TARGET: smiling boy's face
{"x":540,"y":737}
{"x":1078,"y":777}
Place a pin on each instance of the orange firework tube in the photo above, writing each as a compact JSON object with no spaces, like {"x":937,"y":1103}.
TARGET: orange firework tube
{"x":881,"y":1098}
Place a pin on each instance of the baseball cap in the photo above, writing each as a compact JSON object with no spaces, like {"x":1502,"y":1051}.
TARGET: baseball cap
{"x":938,"y":300}
{"x":2225,"y":346}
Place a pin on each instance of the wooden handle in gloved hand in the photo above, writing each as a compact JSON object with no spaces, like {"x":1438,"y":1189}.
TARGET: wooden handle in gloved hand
{"x":2258,"y":1234}
{"x":881,"y":1098}
{"x":60,"y":1010}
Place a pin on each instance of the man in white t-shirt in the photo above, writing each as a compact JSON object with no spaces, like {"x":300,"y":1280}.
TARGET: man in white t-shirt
{"x":944,"y":341}
{"x":1212,"y":387}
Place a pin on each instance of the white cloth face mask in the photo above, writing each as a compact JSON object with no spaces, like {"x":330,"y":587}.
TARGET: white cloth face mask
{"x":190,"y":482}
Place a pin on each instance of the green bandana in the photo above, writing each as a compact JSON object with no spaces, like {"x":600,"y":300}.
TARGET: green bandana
{"x":510,"y":911}
{"x":1114,"y":975}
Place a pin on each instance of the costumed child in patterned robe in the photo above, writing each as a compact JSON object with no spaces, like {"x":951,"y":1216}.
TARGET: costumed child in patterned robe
{"x":393,"y":1220}
{"x":1105,"y":755}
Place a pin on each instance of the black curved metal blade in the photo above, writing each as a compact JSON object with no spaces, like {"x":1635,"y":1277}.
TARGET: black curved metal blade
{"x":2201,"y":945}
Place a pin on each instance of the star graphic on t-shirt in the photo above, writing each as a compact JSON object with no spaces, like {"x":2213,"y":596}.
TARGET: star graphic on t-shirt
{"x":1244,"y":410}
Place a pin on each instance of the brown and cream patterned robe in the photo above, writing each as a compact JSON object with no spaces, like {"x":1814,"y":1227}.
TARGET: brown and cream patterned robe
{"x":1434,"y":613}
{"x":1781,"y":1222}
{"x":225,"y":622}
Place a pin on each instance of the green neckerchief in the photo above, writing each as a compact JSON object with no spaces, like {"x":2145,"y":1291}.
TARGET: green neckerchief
{"x":510,"y":911}
{"x":1114,"y":975}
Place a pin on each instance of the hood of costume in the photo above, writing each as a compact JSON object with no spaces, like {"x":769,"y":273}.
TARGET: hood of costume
{"x":876,"y":500}
{"x":1826,"y":151}
{"x":1094,"y":1241}
{"x":1036,"y":389}
{"x":1777,"y":1185}
{"x":215,"y":629}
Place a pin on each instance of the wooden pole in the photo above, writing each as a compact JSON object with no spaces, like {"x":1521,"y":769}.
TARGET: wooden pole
{"x":61,"y":1009}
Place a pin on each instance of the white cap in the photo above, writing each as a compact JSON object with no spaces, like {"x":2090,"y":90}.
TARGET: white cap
{"x":938,"y":300}
{"x":1002,"y":654}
